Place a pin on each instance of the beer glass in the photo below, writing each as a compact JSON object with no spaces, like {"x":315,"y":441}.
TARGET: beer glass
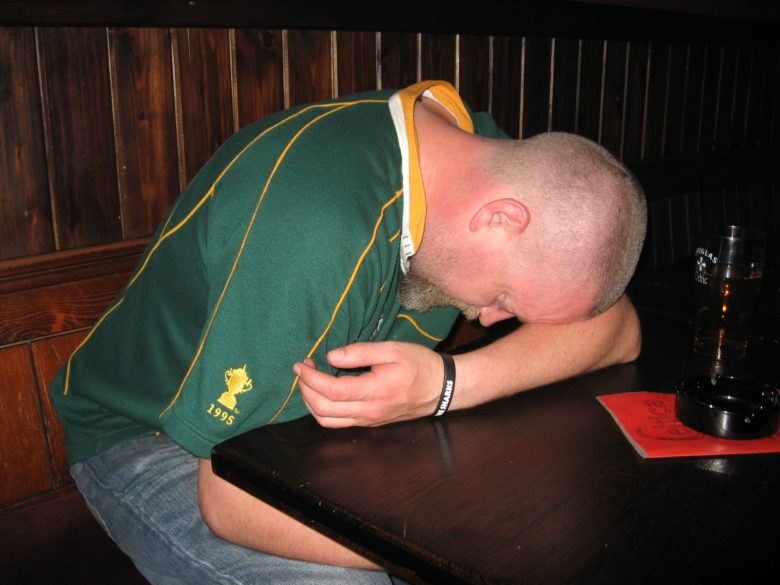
{"x":728,"y":271}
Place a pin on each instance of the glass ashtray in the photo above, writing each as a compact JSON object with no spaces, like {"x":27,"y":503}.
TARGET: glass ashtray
{"x":728,"y":407}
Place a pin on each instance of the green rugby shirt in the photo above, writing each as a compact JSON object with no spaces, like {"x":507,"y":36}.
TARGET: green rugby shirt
{"x":287,"y":244}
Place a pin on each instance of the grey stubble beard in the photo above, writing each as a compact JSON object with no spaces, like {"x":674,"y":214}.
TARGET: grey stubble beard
{"x":418,"y":294}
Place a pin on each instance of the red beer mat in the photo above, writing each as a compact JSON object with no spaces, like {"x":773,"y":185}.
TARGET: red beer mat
{"x":648,"y":422}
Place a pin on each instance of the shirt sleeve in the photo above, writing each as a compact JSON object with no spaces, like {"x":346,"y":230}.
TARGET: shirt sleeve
{"x":293,"y":276}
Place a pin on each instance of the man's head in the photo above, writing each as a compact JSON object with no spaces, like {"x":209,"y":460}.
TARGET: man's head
{"x":548,"y":229}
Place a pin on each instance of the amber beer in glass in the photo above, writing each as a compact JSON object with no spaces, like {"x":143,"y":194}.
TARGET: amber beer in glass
{"x":728,"y":271}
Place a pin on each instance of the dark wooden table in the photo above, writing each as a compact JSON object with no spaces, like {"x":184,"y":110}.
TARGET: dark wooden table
{"x":541,"y":488}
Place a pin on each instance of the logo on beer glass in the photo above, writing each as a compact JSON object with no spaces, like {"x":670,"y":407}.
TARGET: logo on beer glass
{"x":704,"y":262}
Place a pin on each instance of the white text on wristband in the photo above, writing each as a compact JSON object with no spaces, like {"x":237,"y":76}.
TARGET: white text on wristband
{"x":448,"y":385}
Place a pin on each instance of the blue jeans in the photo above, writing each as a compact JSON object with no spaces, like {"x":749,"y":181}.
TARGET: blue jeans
{"x":144,"y":493}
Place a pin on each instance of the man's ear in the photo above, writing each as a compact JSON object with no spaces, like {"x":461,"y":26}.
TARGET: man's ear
{"x":506,"y":213}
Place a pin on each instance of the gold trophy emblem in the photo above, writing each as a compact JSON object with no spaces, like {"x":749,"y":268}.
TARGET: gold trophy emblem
{"x":237,"y":382}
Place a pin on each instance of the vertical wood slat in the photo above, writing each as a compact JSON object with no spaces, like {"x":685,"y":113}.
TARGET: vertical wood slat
{"x":676,"y":84}
{"x":536,"y":97}
{"x":655,"y":114}
{"x":711,"y":99}
{"x":695,"y":228}
{"x":81,"y":155}
{"x":507,"y":71}
{"x":633,"y":130}
{"x":756,"y":99}
{"x":259,"y":74}
{"x":205,"y":99}
{"x":398,"y":59}
{"x":659,"y":220}
{"x":474,"y":75}
{"x":49,"y":355}
{"x":356,"y":64}
{"x":310,"y":66}
{"x":769,"y":109}
{"x":760,"y":120}
{"x":614,"y":97}
{"x":142,"y":81}
{"x":693,"y":100}
{"x":589,"y":106}
{"x":679,"y":227}
{"x":25,"y":212}
{"x":741,"y":92}
{"x":565,"y":90}
{"x":24,"y":463}
{"x":727,"y":92}
{"x":773,"y":92}
{"x":437,"y":56}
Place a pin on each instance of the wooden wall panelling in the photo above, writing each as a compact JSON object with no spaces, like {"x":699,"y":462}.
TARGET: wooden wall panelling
{"x":28,"y":314}
{"x":674,"y":102}
{"x":711,"y":103}
{"x":398,"y":59}
{"x":768,"y":99}
{"x":49,"y":355}
{"x":25,"y":211}
{"x":591,"y":87}
{"x":693,"y":100}
{"x":655,"y":112}
{"x":680,"y":226}
{"x":474,"y":71}
{"x":536,"y":98}
{"x":259,"y":79}
{"x":24,"y":460}
{"x":310,"y":66}
{"x":695,"y":228}
{"x":507,"y":83}
{"x":614,"y":97}
{"x":759,"y":207}
{"x":659,"y":244}
{"x":144,"y":114}
{"x":356,"y":69}
{"x":773,"y":91}
{"x":756,"y":98}
{"x":736,"y":203}
{"x":727,"y":90}
{"x":80,"y":145}
{"x":773,"y":186}
{"x":438,"y":57}
{"x":636,"y":92}
{"x":34,"y":272}
{"x":202,"y":60}
{"x":741,"y":93}
{"x":565,"y":85}
{"x":713,"y":208}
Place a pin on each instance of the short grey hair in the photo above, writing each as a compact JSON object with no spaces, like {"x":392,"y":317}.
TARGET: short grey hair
{"x":590,"y":211}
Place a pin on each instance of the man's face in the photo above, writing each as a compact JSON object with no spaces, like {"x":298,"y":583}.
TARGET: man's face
{"x":479,"y":297}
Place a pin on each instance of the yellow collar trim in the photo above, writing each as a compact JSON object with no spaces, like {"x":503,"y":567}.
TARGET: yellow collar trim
{"x":402,"y":109}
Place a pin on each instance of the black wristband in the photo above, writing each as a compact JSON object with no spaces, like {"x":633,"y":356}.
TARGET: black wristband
{"x":448,"y":385}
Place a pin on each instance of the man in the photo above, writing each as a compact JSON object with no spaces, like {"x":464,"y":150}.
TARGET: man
{"x":335,"y":237}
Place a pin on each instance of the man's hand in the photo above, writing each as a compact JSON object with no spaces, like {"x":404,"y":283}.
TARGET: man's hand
{"x":403,"y":381}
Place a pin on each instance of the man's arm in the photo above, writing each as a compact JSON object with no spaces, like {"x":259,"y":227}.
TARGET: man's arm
{"x":238,"y":517}
{"x":404,"y":381}
{"x":538,"y":354}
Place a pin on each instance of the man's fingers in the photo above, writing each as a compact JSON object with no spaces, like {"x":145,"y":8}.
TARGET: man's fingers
{"x":334,"y":388}
{"x":332,"y":413}
{"x":361,"y":355}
